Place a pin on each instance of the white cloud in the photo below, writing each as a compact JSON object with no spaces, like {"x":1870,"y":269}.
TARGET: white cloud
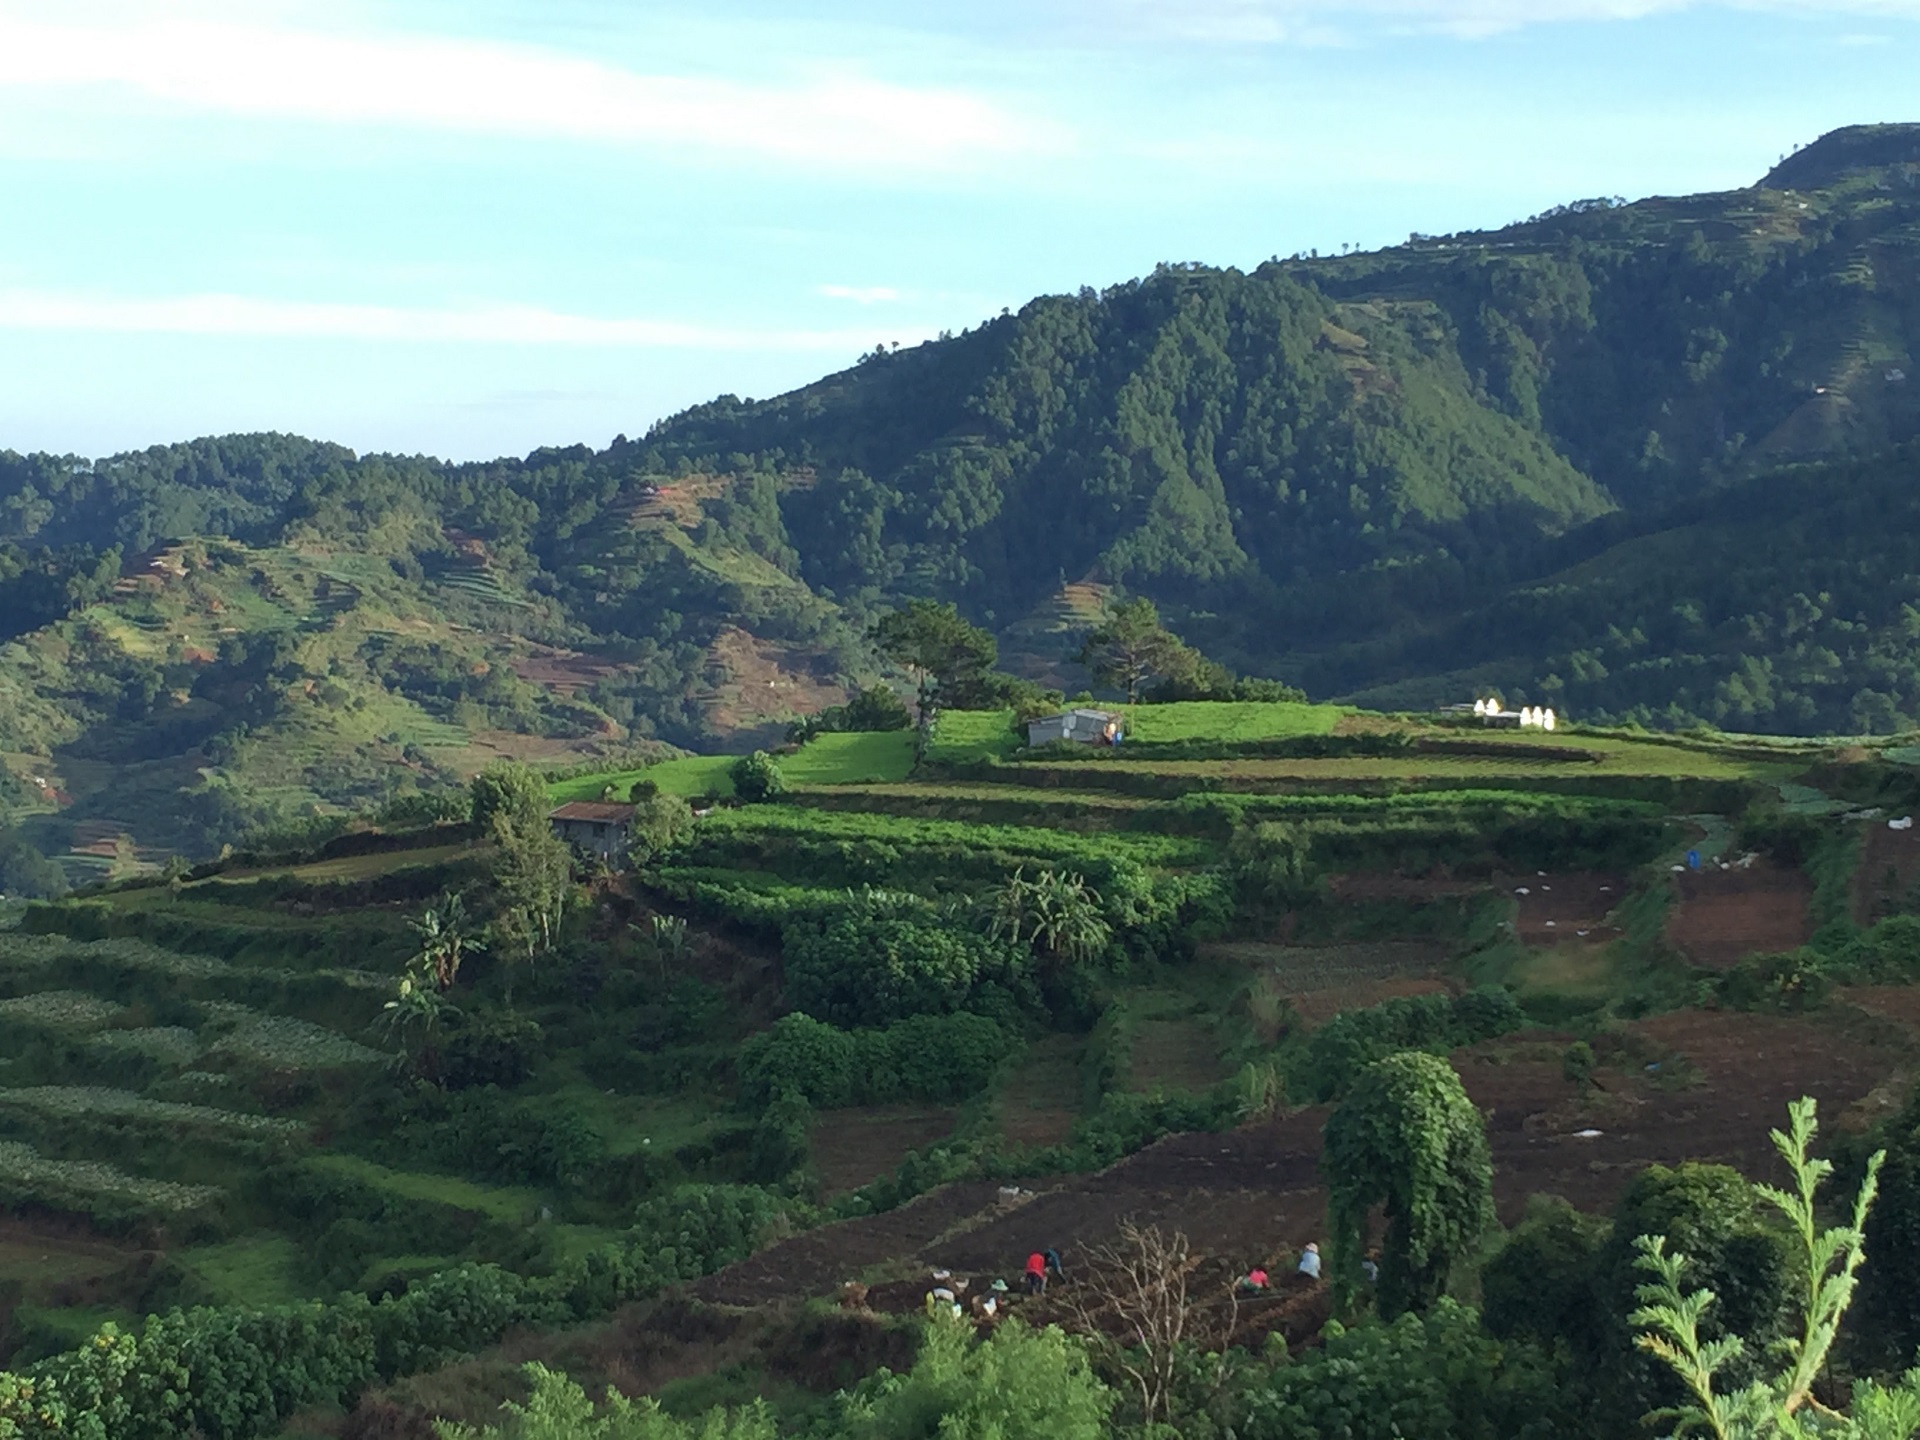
{"x":1331,"y":21}
{"x":860,"y":294}
{"x":249,"y":317}
{"x":827,"y":116}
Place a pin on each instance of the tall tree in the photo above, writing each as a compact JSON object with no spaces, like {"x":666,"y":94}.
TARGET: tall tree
{"x":1130,"y":647}
{"x":533,"y":869}
{"x":942,"y":651}
{"x":1407,"y":1137}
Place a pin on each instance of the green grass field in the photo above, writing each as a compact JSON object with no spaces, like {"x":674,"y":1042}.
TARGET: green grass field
{"x":1231,"y":721}
{"x":825,"y":760}
{"x":962,"y":736}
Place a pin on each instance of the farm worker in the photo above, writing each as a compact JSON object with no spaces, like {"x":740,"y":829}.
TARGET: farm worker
{"x":1053,"y":1265}
{"x":1370,"y":1267}
{"x":1036,"y":1273}
{"x":1310,"y":1261}
{"x":1254,"y":1280}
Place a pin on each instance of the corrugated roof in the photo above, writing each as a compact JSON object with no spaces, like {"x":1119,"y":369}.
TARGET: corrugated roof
{"x":601,"y":810}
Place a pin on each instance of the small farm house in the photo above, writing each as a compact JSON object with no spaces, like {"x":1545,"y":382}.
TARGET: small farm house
{"x":1084,"y":727}
{"x":596,"y":827}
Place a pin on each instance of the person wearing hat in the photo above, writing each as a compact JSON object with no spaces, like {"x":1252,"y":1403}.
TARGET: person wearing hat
{"x":1310,"y":1261}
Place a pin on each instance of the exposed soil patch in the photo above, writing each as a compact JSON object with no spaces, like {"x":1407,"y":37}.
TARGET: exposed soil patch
{"x":1568,"y":906}
{"x":855,"y":1147}
{"x":565,"y":672}
{"x":758,"y":685}
{"x":1898,"y":1003}
{"x":1364,"y":885}
{"x":1173,"y":1055}
{"x":1317,"y":982}
{"x":1722,"y":1082}
{"x":1723,"y":916}
{"x":1888,"y":871}
{"x":1038,"y":1104}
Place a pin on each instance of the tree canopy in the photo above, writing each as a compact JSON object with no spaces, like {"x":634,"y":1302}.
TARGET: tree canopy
{"x":1407,"y":1137}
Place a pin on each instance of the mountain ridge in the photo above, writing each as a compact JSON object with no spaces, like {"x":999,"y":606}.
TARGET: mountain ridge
{"x":1347,"y":471}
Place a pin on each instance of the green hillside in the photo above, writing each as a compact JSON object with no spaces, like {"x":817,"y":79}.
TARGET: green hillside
{"x":1787,"y":603}
{"x":273,"y":1166}
{"x":1566,"y":459}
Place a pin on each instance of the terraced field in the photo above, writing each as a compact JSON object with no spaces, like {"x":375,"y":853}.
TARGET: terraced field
{"x":211,"y":1086}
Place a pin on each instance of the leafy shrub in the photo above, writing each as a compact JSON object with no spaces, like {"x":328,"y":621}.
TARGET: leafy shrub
{"x":875,"y":708}
{"x":802,"y":1056}
{"x":1339,"y":1050}
{"x":487,"y":1134}
{"x":1272,"y":864}
{"x":495,"y":1050}
{"x":558,"y":1409}
{"x":877,"y":958}
{"x":1576,"y":1062}
{"x":1710,"y":1214}
{"x":660,"y":822}
{"x":1436,"y":1375}
{"x":1540,"y":1284}
{"x":235,"y":1373}
{"x":1783,"y":984}
{"x":1783,"y":835}
{"x":780,"y":1141}
{"x":757,"y":777}
{"x":926,"y":1057}
{"x":1022,"y":1384}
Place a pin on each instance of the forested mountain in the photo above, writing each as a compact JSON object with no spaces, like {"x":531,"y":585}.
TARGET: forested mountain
{"x":1568,"y":458}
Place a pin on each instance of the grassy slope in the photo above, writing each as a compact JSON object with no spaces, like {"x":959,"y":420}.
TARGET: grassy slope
{"x":1174,"y":1030}
{"x":824,"y":760}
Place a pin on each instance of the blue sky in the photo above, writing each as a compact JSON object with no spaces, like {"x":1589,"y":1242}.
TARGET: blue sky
{"x":471,"y":227}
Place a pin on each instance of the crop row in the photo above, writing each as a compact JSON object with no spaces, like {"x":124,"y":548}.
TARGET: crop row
{"x":22,"y":951}
{"x":1018,"y":840}
{"x":60,"y":1010}
{"x":100,"y":1102}
{"x":282,"y":1041}
{"x":24,"y":1169}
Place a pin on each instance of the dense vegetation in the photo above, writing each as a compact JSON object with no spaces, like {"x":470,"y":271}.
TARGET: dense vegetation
{"x":372,"y":1073}
{"x":374,"y":1105}
{"x":1545,"y":460}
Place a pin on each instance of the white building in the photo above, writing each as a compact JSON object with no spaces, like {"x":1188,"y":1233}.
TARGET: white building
{"x":1085,"y":727}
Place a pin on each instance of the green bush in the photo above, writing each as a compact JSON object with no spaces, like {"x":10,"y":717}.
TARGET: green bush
{"x":1540,"y":1285}
{"x":494,"y":1050}
{"x":1338,"y":1051}
{"x":875,"y":708}
{"x":936,"y":1058}
{"x":757,"y":777}
{"x":780,"y":1140}
{"x":878,"y":958}
{"x":802,"y":1056}
{"x":1437,"y":1376}
{"x":237,"y":1373}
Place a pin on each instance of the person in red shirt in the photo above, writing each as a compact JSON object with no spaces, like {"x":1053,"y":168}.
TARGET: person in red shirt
{"x":1036,"y":1274}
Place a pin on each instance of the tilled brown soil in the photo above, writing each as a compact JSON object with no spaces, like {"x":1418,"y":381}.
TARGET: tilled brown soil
{"x":1565,"y":906}
{"x":855,"y":1147}
{"x":1723,"y":916}
{"x":1888,"y":869}
{"x":1723,"y":1081}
